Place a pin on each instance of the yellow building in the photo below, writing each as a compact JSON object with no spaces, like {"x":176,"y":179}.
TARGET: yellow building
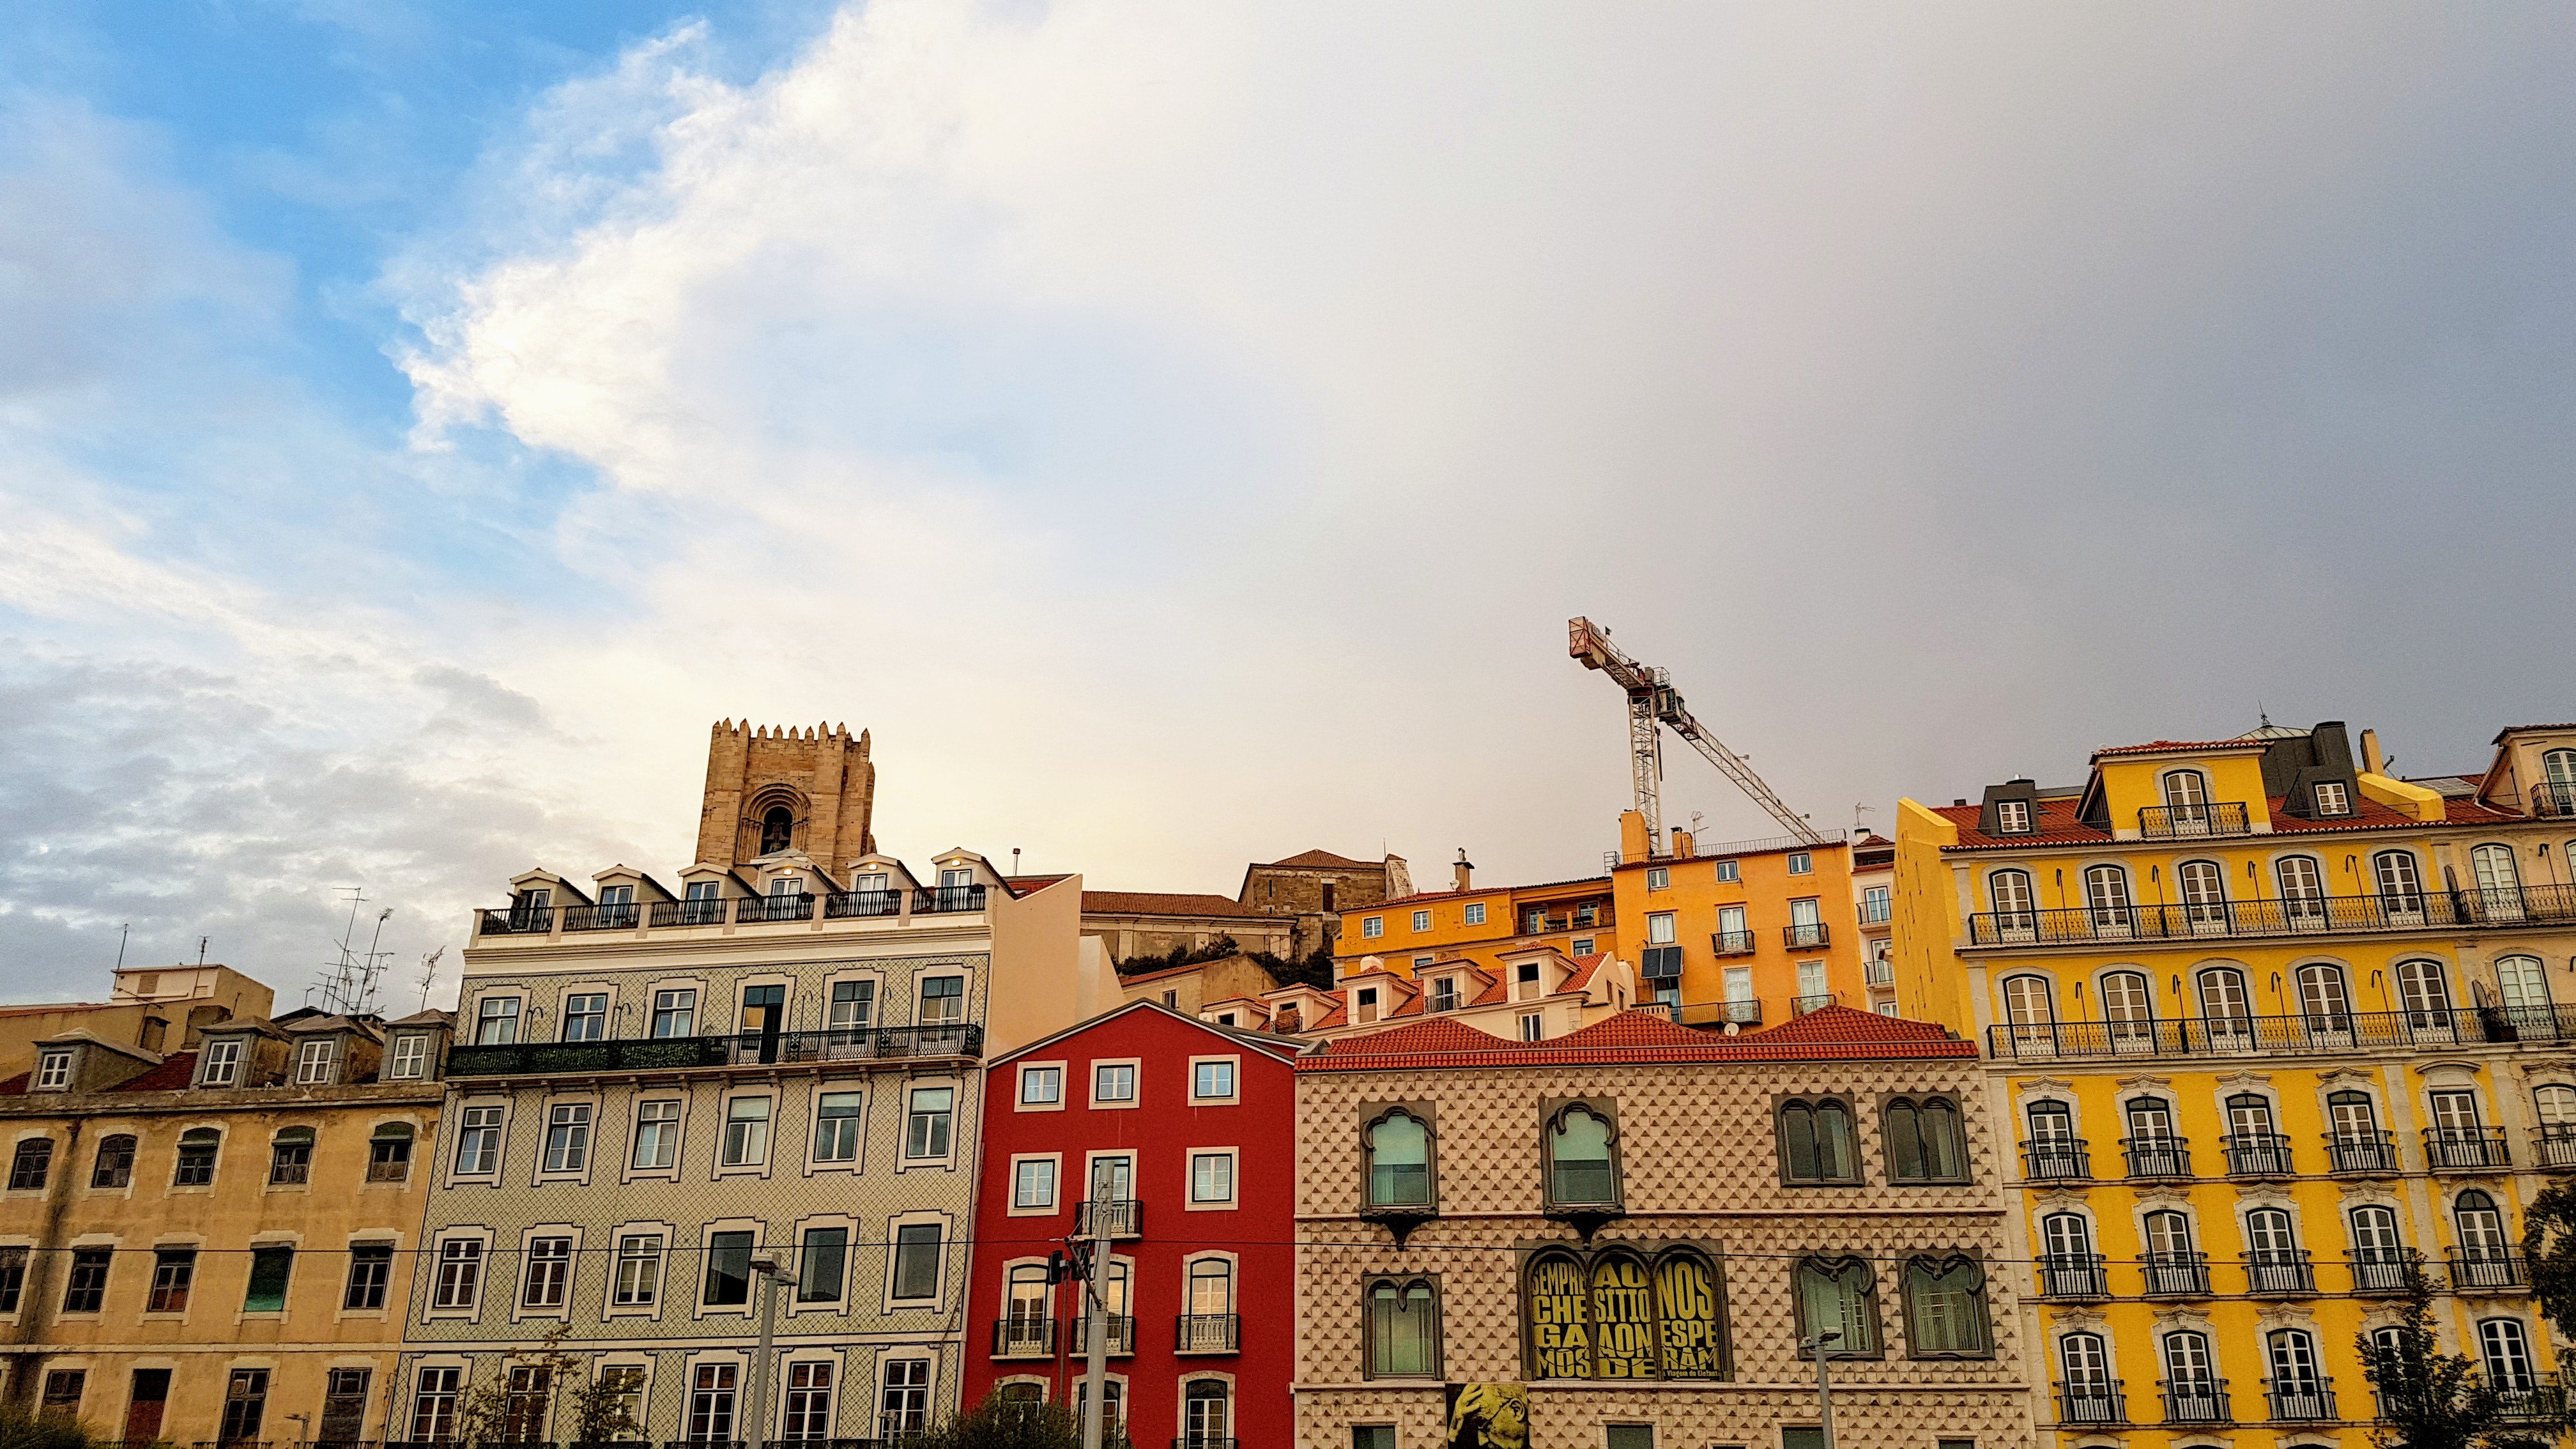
{"x":2268,"y":1020}
{"x":157,"y":1008}
{"x":215,"y":1245}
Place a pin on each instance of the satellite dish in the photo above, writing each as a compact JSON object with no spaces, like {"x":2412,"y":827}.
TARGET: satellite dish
{"x":1734,"y":1027}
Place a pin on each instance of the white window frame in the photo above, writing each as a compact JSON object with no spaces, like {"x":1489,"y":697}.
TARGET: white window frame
{"x":409,"y":1060}
{"x":769,"y":1136}
{"x":1661,"y":929}
{"x":1234,"y":1078}
{"x":1802,"y":862}
{"x":629,"y":1172}
{"x":223,"y":1057}
{"x":315,"y":1061}
{"x":2342,"y":804}
{"x":938,"y":1302}
{"x":616,"y":1238}
{"x":1136,"y":1083}
{"x":1372,"y":927}
{"x":517,"y":1016}
{"x":472,"y":1308}
{"x":1475,"y":913}
{"x":1729,"y":871}
{"x":1421,"y":921}
{"x":1020,"y":1086}
{"x":501,"y":1142}
{"x":814,"y":1126}
{"x":2012,"y":817}
{"x":1533,"y":1025}
{"x":54,"y":1071}
{"x":1659,"y":877}
{"x":520,"y":1311}
{"x":1055,"y":1186}
{"x":589,"y":1125}
{"x":1233,"y":1157}
{"x":960,"y":1117}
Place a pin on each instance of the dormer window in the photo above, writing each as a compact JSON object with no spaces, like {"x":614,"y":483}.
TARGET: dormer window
{"x":868,"y":884}
{"x":2012,"y":817}
{"x":313,"y":1061}
{"x":223,"y":1064}
{"x":410,"y":1058}
{"x":1525,"y":981}
{"x":1367,"y":1011}
{"x":54,"y":1072}
{"x":1444,"y":994}
{"x":2333,"y":798}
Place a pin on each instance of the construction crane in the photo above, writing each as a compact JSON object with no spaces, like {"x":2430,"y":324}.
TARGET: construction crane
{"x":1653,"y":704}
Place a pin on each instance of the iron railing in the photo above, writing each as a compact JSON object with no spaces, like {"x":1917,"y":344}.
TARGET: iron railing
{"x":2195,"y":1401}
{"x":614,"y":916}
{"x":2487,"y":1270}
{"x":2192,"y":822}
{"x":2056,"y":1159}
{"x":716,"y":911}
{"x":767,"y":910}
{"x":2306,"y":1033}
{"x":518,"y":921}
{"x":2361,"y":1154}
{"x":2279,"y":1272}
{"x":2465,"y":1149}
{"x":1207,"y":1333}
{"x":934,"y":899}
{"x":2073,"y":1275}
{"x":2092,"y":1401}
{"x":2528,"y":1396}
{"x":2301,"y":1400}
{"x":1120,"y":1338}
{"x":1124,"y":1217}
{"x":2378,"y":1270}
{"x":1801,"y":1005}
{"x":2295,"y":916}
{"x":2553,"y":1145}
{"x":1731,"y":943}
{"x":686,"y":1053}
{"x":2175,"y":1275}
{"x":2157,"y":1156}
{"x":2257,"y":1154}
{"x":2553,"y":799}
{"x":696,"y":911}
{"x":1744,"y":1013}
{"x":1804,"y":935}
{"x":848,"y":905}
{"x":1879,"y":972}
{"x":1016,"y":1337}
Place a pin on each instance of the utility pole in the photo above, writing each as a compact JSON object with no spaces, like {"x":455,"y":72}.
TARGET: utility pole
{"x":1824,"y":1381}
{"x":769,"y":1273}
{"x":1095,"y":1340}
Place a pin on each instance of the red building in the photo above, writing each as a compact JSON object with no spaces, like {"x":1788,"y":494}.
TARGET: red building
{"x":1182,"y":1135}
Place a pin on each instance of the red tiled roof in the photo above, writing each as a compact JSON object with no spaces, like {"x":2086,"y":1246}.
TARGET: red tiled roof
{"x":1324,"y":860}
{"x":1585,"y":968}
{"x":174,"y":1073}
{"x":1641,"y":1038}
{"x":1165,"y":903}
{"x":1845,"y":1026}
{"x":2157,"y":747}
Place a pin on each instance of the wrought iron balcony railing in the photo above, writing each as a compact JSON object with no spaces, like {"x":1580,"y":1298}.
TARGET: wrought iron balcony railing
{"x":2301,"y":1400}
{"x":695,"y":911}
{"x":2487,"y":1270}
{"x":2056,"y":1159}
{"x":1121,"y":1337}
{"x":2361,"y":1154}
{"x":2553,"y":799}
{"x":2257,"y":1154}
{"x":2378,"y":1270}
{"x":518,"y":921}
{"x":717,"y":911}
{"x":1804,"y":935}
{"x":2553,"y":1146}
{"x":2524,"y":1397}
{"x":2295,"y":916}
{"x":1124,"y":1217}
{"x":1879,"y":972}
{"x":852,"y":905}
{"x":768,"y":910}
{"x":2073,"y":1275}
{"x":2301,"y":1034}
{"x":2185,"y":822}
{"x":2279,"y":1273}
{"x":2092,"y":1401}
{"x":1016,"y":1337}
{"x":614,"y":916}
{"x":2157,"y":1156}
{"x":2465,"y":1149}
{"x":2195,"y":1401}
{"x":947,"y":898}
{"x":1207,"y":1333}
{"x":1731,"y":943}
{"x":2175,"y":1275}
{"x":687,"y":1053}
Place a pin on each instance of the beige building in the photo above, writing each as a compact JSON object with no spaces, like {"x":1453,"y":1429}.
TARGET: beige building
{"x":1620,"y":1237}
{"x":1530,"y":993}
{"x":215,"y":1244}
{"x":1873,"y":888}
{"x":157,"y":1008}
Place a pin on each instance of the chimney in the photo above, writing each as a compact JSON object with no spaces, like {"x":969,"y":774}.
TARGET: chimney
{"x":1460,"y":872}
{"x":2373,"y":761}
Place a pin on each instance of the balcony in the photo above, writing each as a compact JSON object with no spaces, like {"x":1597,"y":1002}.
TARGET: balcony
{"x":1207,"y":1333}
{"x":2257,"y":1154}
{"x":2554,"y":800}
{"x":2302,"y":1034}
{"x":855,"y":905}
{"x":2279,"y":1273}
{"x":1743,"y":1013}
{"x":2175,"y":1275}
{"x":2195,"y":1401}
{"x":2553,"y":1147}
{"x":2487,"y":1270}
{"x":518,"y":921}
{"x":769,"y":910}
{"x":698,"y":1053}
{"x":2073,"y":1275}
{"x":2466,"y":1149}
{"x":2530,"y":1396}
{"x":1120,"y":1339}
{"x":1017,"y":1337}
{"x":2378,"y":1271}
{"x":1879,"y":972}
{"x":696,"y":911}
{"x":1804,"y":935}
{"x":2305,"y":1401}
{"x":2301,"y":916}
{"x":1731,"y":943}
{"x":716,"y":911}
{"x":2361,"y":1154}
{"x":941,"y":899}
{"x":2194,"y":822}
{"x":2092,"y":1401}
{"x":1124,"y":1217}
{"x":2157,"y":1156}
{"x":1801,"y":1005}
{"x":615,"y":916}
{"x":2056,"y":1159}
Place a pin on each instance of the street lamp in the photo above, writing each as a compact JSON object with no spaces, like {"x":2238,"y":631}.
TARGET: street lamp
{"x":1824,"y":1381}
{"x":770,"y":1272}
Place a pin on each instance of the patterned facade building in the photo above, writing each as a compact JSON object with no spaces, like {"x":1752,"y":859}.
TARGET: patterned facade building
{"x":654,"y":1095}
{"x":213,"y":1244}
{"x":1620,"y":1238}
{"x":2268,"y":1021}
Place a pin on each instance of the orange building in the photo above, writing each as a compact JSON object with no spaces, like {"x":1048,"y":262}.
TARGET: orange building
{"x":1476,"y":924}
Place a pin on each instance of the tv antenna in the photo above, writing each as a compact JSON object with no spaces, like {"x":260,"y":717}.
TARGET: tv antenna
{"x":348,"y":984}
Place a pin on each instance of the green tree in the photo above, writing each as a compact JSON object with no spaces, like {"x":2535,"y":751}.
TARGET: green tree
{"x":581,"y":1407}
{"x":997,"y":1423}
{"x":2429,"y":1399}
{"x":20,"y":1429}
{"x":2549,"y":1245}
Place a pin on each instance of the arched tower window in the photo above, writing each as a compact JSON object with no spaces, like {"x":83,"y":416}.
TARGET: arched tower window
{"x":777,"y":829}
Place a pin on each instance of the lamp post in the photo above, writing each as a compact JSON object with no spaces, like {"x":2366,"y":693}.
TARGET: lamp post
{"x":769,"y":1272}
{"x":1824,"y":1381}
{"x":1096,"y":1319}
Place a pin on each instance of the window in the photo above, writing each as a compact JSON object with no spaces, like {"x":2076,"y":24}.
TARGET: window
{"x":2106,"y":897}
{"x":777,"y":827}
{"x":2401,"y":888}
{"x":2554,"y":1106}
{"x":290,"y":1157}
{"x":1924,"y":1140}
{"x":53,"y":1071}
{"x":460,"y":1274}
{"x":2203,"y":887}
{"x":904,"y":1409}
{"x":819,"y":1263}
{"x":1113,"y":1083}
{"x":1876,"y":905}
{"x":1475,"y":913}
{"x":548,"y":1274}
{"x":1403,"y":1329}
{"x":1211,"y":1178}
{"x":478,"y":1145}
{"x":1728,"y":870}
{"x":586,"y":1016}
{"x":2129,"y":1009}
{"x":344,"y":1404}
{"x":524,"y":1396}
{"x":1372,"y":927}
{"x":2224,"y":1005}
{"x":1041,"y":1086}
{"x":2012,"y":817}
{"x":173,"y":1271}
{"x":63,"y":1388}
{"x":2481,"y":1229}
{"x":711,"y":1394}
{"x":1945,"y":1307}
{"x":223,"y":1064}
{"x":916,"y":1261}
{"x":197,"y":1149}
{"x":1366,"y":1011}
{"x":839,"y":1118}
{"x":2009,"y":890}
{"x":1658,"y":877}
{"x":746,"y":1134}
{"x":2323,"y":1000}
{"x":1204,"y":1417}
{"x":245,"y":1405}
{"x":2333,"y":798}
{"x":1372,"y":1436}
{"x":389,"y":1153}
{"x":2186,"y":794}
{"x":854,"y":1005}
{"x":1583,"y":946}
{"x":1838,"y":1295}
{"x":1817,"y":1144}
{"x":1211,"y":1290}
{"x":410,"y":1057}
{"x":809,"y":1402}
{"x":567,"y":1137}
{"x":728,"y":1282}
{"x":1444,"y":994}
{"x":1421,"y":921}
{"x":638,"y":1280}
{"x":2292,"y":1353}
{"x":313,"y":1062}
{"x":925,"y":1127}
{"x":115,"y":1164}
{"x":13,"y":1278}
{"x":2504,"y":1351}
{"x":1801,"y":863}
{"x":943,"y":1000}
{"x":371,"y":1268}
{"x":657,"y":1134}
{"x":2303,"y":890}
{"x":31,"y":1164}
{"x":85,"y":1287}
{"x":496,"y":1021}
{"x":433,"y":1404}
{"x":1580,"y":1168}
{"x":1212,"y":1081}
{"x":622,"y":1386}
{"x":1033,"y":1183}
{"x":675,"y":1013}
{"x":2525,"y":990}
{"x":270,"y":1268}
{"x":1398,"y":1149}
{"x":1533,"y":1026}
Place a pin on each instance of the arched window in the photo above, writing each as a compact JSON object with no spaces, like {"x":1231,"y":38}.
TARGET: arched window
{"x":1028,"y":1320}
{"x":2172,"y":1265}
{"x":1211,"y":1288}
{"x":2524,"y":988}
{"x":2504,"y":1351}
{"x":1556,"y":1306}
{"x":2226,"y":1008}
{"x":2426,"y":992}
{"x":777,"y":829}
{"x":2129,"y":1008}
{"x":2401,"y":883}
{"x":2499,"y":882}
{"x":2151,"y":1146}
{"x":2303,"y":891}
{"x":1816,"y":1141}
{"x":197,"y":1149}
{"x":2051,"y":1121}
{"x":2066,"y":1238}
{"x":2378,"y":1250}
{"x":115,"y":1165}
{"x":1688,"y":1306}
{"x":2481,"y":1227}
{"x":2292,"y":1354}
{"x":290,"y":1156}
{"x":2106,"y":898}
{"x":2554,"y":1107}
{"x":2030,"y":1007}
{"x":1838,"y":1295}
{"x":2186,"y":1356}
{"x":2269,"y":1232}
{"x":2086,"y":1362}
{"x":1398,"y":1148}
{"x":1945,"y":1307}
{"x":1924,"y":1140}
{"x":1623,"y":1317}
{"x":2186,"y":795}
{"x":1581,"y":1168}
{"x":2274,"y":1261}
{"x":1207,"y":1419}
{"x":2324,"y":1003}
{"x":2010,"y":892}
{"x":2204,"y":895}
{"x":2150,"y":1118}
{"x":1403,"y":1329}
{"x":2255,"y":1146}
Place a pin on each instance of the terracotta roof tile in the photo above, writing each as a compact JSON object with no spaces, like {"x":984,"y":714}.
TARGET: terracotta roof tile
{"x":1165,"y":903}
{"x":174,"y":1074}
{"x":1324,"y":860}
{"x":2156,"y":747}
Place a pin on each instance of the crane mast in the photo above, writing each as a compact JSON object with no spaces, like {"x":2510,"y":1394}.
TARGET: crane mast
{"x":1653,"y":706}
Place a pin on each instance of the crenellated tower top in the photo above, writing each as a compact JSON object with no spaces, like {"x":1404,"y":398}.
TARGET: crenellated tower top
{"x":771,"y":788}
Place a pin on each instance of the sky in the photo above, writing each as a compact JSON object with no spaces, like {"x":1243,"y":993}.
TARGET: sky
{"x":1179,"y":433}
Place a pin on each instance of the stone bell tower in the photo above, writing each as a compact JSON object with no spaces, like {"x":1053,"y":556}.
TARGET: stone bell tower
{"x":770,"y":789}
